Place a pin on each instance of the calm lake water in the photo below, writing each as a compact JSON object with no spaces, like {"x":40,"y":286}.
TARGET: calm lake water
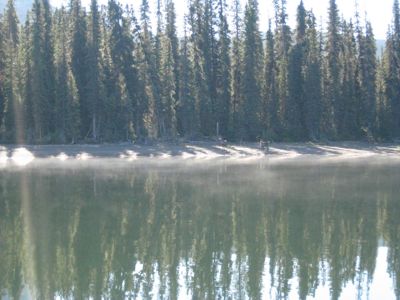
{"x":204,"y":230}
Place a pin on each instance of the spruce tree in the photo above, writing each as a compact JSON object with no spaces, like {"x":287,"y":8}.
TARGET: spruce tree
{"x":366,"y":79}
{"x":2,"y":77}
{"x":168,"y":73}
{"x":67,"y":105}
{"x":42,"y":72}
{"x":393,"y":69}
{"x":222,"y":70}
{"x":187,"y":121}
{"x":295,"y":110}
{"x":79,"y":55}
{"x":148,"y":74}
{"x":157,"y":74}
{"x":333,"y":104}
{"x":206,"y":45}
{"x":383,"y":105}
{"x":282,"y":46}
{"x":348,"y":122}
{"x":252,"y":69}
{"x":12,"y":129}
{"x":236,"y":74}
{"x":312,"y":80}
{"x":270,"y":120}
{"x":391,"y":85}
{"x":25,"y":50}
{"x":201,"y":88}
{"x":94,"y":88}
{"x":171,"y":34}
{"x":60,"y":22}
{"x":125,"y":72}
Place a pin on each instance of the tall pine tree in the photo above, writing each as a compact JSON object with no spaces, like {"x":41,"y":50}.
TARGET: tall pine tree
{"x":252,"y":70}
{"x":12,"y":127}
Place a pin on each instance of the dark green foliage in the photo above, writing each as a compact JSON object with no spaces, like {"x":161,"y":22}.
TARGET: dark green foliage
{"x":252,"y":70}
{"x":2,"y":75}
{"x":282,"y":47}
{"x":333,"y":105}
{"x":170,"y":74}
{"x":79,"y":54}
{"x":296,"y":122}
{"x":312,"y":73}
{"x":11,"y":107}
{"x":187,"y":122}
{"x":90,"y":74}
{"x":236,"y":75}
{"x":392,"y":72}
{"x":124,"y":74}
{"x":348,"y":124}
{"x":67,"y":105}
{"x":42,"y":79}
{"x":94,"y":101}
{"x":223,"y":71}
{"x":270,"y":118}
{"x":366,"y":71}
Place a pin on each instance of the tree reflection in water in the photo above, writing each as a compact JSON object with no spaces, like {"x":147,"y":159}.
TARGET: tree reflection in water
{"x":223,"y":231}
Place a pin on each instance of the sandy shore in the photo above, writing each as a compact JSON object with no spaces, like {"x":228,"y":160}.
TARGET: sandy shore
{"x":195,"y":150}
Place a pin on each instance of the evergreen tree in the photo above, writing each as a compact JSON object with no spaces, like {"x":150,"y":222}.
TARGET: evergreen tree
{"x":169,"y":70}
{"x":26,"y":90}
{"x":252,"y":59}
{"x":172,"y":35}
{"x":157,"y":77}
{"x":2,"y":77}
{"x":237,"y":75}
{"x":348,"y":122}
{"x":223,"y":75}
{"x":42,"y":72}
{"x":125,"y":72}
{"x":12,"y":109}
{"x":312,"y":80}
{"x":60,"y":22}
{"x":366,"y":73}
{"x":94,"y":88}
{"x":295,"y":110}
{"x":67,"y":105}
{"x":186,"y":108}
{"x":384,"y":112}
{"x":282,"y":47}
{"x":79,"y":55}
{"x":333,"y":105}
{"x":270,"y":119}
{"x":108,"y":79}
{"x":148,"y":73}
{"x":201,"y":89}
{"x":205,"y":43}
{"x":392,"y":57}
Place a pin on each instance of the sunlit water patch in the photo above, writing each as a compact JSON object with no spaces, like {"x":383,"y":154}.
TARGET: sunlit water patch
{"x":22,"y":156}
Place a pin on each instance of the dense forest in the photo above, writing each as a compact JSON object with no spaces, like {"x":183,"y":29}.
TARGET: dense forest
{"x":112,"y":74}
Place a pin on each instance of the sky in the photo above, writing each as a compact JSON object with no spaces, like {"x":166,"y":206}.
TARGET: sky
{"x":379,"y":12}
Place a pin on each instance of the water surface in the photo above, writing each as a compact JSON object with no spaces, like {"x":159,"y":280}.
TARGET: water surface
{"x":209,"y":230}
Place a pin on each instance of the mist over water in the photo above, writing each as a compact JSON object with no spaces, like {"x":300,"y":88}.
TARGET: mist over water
{"x":203,"y":230}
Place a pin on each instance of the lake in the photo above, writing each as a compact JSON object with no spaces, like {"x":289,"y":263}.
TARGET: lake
{"x":108,"y":229}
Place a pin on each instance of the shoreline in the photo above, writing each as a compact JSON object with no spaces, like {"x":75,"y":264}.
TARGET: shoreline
{"x":24,"y":154}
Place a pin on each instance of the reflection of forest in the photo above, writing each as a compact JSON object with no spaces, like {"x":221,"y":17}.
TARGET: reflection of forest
{"x":119,"y":234}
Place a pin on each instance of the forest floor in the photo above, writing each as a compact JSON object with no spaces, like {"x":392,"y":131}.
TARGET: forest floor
{"x":197,"y":150}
